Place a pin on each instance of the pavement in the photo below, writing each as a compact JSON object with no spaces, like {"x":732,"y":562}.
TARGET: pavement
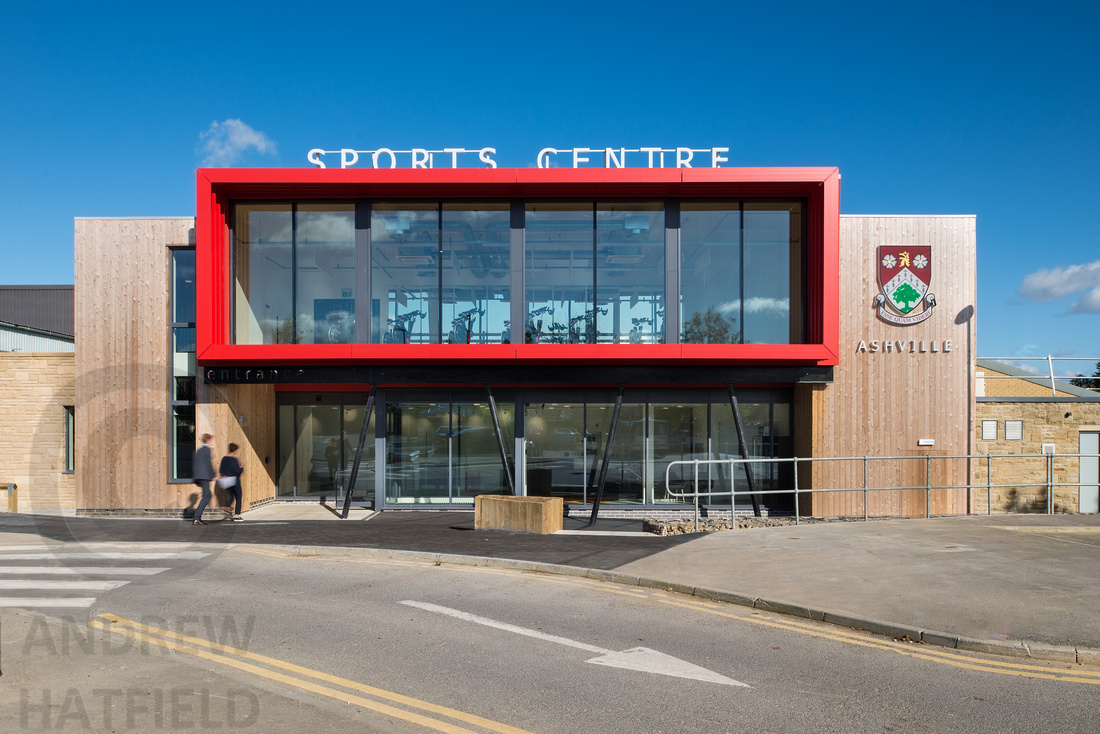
{"x":1019,"y":585}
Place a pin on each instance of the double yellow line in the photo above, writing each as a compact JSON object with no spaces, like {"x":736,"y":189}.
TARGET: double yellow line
{"x":909,"y":649}
{"x":303,"y":678}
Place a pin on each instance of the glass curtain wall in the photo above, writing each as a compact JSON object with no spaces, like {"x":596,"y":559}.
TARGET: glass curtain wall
{"x":630,"y":273}
{"x":445,"y":452}
{"x":741,"y":272}
{"x":325,"y":272}
{"x":594,"y":273}
{"x":773,"y":273}
{"x":565,"y":443}
{"x":405,"y":280}
{"x":710,"y":273}
{"x":316,"y":449}
{"x":476,"y":266}
{"x":559,"y":275}
{"x":263,"y":274}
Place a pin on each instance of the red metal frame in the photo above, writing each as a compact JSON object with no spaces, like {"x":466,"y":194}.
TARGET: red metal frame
{"x":218,"y":186}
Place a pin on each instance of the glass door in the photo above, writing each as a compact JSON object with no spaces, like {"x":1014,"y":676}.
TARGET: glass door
{"x":559,"y":454}
{"x":443,"y":452}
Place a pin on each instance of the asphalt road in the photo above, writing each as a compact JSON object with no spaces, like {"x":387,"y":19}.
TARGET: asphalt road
{"x":316,"y":644}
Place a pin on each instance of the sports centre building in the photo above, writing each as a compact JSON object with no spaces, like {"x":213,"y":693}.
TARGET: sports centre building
{"x":565,"y":332}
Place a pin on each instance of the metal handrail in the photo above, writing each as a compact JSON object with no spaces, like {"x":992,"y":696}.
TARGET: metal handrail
{"x":1049,"y":484}
{"x":1049,"y":360}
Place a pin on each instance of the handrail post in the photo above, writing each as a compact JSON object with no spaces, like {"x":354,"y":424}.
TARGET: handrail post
{"x":796,"y":508}
{"x":696,"y":486}
{"x":989,"y":484}
{"x":1050,"y":363}
{"x":928,"y":485}
{"x":864,"y":489}
{"x":733,"y":493}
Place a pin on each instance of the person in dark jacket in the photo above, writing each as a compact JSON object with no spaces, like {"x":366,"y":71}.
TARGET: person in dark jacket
{"x":231,"y":467}
{"x":204,"y":472}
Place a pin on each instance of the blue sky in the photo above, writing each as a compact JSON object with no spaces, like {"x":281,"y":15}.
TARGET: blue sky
{"x":937,"y":108}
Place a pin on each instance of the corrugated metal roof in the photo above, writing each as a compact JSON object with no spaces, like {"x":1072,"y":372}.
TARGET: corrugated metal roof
{"x":43,"y":307}
{"x":17,"y":339}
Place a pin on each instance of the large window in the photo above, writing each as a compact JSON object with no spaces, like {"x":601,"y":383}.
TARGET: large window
{"x":593,"y":272}
{"x":741,"y":272}
{"x":324,"y":270}
{"x":182,"y":392}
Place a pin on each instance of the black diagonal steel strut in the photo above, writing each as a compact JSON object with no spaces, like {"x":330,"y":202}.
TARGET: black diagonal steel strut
{"x":358,"y":455}
{"x":500,"y":441}
{"x":744,"y":455}
{"x":606,"y":456}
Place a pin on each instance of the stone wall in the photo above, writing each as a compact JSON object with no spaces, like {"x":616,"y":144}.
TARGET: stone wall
{"x":1023,"y":477}
{"x":36,"y":388}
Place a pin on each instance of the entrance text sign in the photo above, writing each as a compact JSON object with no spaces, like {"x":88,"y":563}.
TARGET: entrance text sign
{"x":546,"y":158}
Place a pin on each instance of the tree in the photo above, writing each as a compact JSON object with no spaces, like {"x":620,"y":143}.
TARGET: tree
{"x":710,"y":328}
{"x":1092,"y":383}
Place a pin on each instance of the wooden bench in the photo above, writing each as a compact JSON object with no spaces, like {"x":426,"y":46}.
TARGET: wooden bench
{"x":526,"y":514}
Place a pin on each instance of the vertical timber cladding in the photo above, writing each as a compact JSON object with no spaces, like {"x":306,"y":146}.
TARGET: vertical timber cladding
{"x":883,"y":402}
{"x":244,"y":415}
{"x":122,"y":361}
{"x":122,"y":292}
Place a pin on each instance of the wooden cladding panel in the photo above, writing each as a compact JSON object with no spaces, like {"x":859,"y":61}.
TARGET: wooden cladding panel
{"x":123,"y":349}
{"x":244,"y":415}
{"x":881,"y":403}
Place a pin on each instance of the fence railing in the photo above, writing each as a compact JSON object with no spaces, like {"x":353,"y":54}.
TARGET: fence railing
{"x":1041,"y":478}
{"x":1091,"y":382}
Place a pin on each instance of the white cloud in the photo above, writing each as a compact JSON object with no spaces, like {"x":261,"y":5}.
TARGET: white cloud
{"x":757,"y":305}
{"x":1060,"y":283}
{"x":1088,"y":303}
{"x":223,"y":143}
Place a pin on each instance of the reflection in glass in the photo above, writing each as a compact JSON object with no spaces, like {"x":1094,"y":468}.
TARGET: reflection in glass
{"x":340,"y":455}
{"x":558,"y":456}
{"x":625,"y":481}
{"x":325,"y":267}
{"x":679,"y":433}
{"x":476,"y":284}
{"x":630,"y":273}
{"x":318,"y":426}
{"x":773,"y":243}
{"x":405,"y":273}
{"x":263,"y":269}
{"x":183,"y":441}
{"x":444,"y":453}
{"x":710,"y":273}
{"x":183,"y":286}
{"x":559,"y":275}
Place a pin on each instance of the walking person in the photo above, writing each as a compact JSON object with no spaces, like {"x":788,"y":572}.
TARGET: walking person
{"x":204,"y":472}
{"x":230,"y":468}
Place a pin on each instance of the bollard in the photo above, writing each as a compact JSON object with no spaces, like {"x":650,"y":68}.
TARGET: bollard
{"x":13,"y":497}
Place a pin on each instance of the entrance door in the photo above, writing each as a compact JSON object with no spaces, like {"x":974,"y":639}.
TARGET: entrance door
{"x":1089,"y":498}
{"x":442,"y":453}
{"x":559,"y":455}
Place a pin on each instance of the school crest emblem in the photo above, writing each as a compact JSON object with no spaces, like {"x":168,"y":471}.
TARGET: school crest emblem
{"x":904,"y":274}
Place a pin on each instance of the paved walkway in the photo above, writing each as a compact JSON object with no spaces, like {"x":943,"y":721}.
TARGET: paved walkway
{"x":1014,"y":584}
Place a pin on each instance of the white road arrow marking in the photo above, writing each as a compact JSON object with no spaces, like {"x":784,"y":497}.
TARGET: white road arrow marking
{"x":637,"y":658}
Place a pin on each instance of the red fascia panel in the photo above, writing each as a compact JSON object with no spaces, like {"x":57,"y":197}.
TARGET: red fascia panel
{"x":262,"y":355}
{"x":217,"y":186}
